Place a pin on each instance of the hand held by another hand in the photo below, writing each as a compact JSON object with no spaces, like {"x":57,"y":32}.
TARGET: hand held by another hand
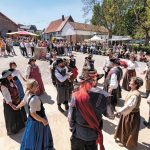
{"x":45,"y":122}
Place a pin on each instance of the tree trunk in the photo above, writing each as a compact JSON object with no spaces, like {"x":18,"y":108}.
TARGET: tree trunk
{"x":109,"y":37}
{"x":147,"y":38}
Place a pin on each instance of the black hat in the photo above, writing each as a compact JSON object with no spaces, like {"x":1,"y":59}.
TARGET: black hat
{"x":59,"y":60}
{"x":115,"y":61}
{"x":90,"y":56}
{"x":5,"y":74}
{"x":90,"y":76}
{"x":31,"y":59}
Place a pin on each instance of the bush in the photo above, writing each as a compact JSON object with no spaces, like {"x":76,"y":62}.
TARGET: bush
{"x":141,"y":48}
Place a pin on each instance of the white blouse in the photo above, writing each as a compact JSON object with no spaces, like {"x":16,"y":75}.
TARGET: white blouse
{"x":132,"y":65}
{"x":35,"y":103}
{"x":6,"y":93}
{"x":129,"y":106}
{"x":17,"y":73}
{"x":59,"y":76}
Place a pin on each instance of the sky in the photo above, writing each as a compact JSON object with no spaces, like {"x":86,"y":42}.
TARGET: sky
{"x":42,"y":12}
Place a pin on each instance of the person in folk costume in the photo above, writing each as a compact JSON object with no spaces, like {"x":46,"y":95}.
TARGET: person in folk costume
{"x":147,"y":78}
{"x":14,"y":119}
{"x":32,"y":43}
{"x":2,"y":47}
{"x":37,"y":134}
{"x":89,"y":62}
{"x":147,"y":123}
{"x":62,"y":84}
{"x":52,"y":66}
{"x":129,"y":124}
{"x":111,"y":84}
{"x":16,"y":75}
{"x":130,"y":72}
{"x":121,"y":75}
{"x":85,"y":115}
{"x":107,"y":65}
{"x":71,"y":79}
{"x":72,"y":65}
{"x":33,"y":71}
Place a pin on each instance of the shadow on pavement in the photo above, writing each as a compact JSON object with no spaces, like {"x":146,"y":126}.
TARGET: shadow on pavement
{"x":142,"y":126}
{"x":120,"y":102}
{"x":108,"y":127}
{"x":46,"y":99}
{"x":143,"y":146}
{"x":17,"y":137}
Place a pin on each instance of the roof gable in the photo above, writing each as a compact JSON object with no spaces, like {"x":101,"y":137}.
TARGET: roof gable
{"x":58,"y":25}
{"x":2,"y":15}
{"x":88,"y":27}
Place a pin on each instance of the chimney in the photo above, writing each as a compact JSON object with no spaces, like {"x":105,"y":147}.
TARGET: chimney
{"x":63,"y":18}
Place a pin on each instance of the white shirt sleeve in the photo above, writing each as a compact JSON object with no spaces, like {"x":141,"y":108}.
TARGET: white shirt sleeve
{"x":6,"y":94}
{"x":113,"y":81}
{"x":35,"y":104}
{"x":18,"y":74}
{"x":148,"y":99}
{"x":27,"y":72}
{"x":129,"y":106}
{"x":60,"y":77}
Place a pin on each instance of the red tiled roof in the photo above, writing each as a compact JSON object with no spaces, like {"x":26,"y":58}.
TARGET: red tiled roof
{"x":88,"y":27}
{"x":57,"y":25}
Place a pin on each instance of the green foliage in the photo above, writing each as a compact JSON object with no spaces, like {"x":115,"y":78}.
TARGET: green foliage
{"x":121,"y":17}
{"x":141,"y":48}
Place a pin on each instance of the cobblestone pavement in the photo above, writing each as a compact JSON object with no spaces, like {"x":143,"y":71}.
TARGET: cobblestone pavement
{"x":58,"y":121}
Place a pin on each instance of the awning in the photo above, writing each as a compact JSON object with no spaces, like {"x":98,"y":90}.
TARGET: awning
{"x":22,"y":33}
{"x":96,"y":38}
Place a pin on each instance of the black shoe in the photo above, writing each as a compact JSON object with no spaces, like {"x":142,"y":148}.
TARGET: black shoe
{"x":147,"y":124}
{"x":66,"y":107}
{"x":100,"y":76}
{"x":60,"y":109}
{"x":144,"y":96}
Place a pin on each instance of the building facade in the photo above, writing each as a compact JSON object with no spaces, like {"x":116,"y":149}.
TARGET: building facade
{"x":73,"y":31}
{"x":7,"y":25}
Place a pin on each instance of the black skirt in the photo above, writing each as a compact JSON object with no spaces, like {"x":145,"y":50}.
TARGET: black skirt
{"x":14,"y":119}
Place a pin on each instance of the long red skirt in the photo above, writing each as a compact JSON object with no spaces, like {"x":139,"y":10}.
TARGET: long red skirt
{"x":75,"y":72}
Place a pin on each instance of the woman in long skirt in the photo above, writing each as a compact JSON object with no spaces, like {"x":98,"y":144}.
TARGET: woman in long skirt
{"x":14,"y":119}
{"x":37,"y":135}
{"x":130,"y":72}
{"x":129,"y":124}
{"x":33,"y":72}
{"x":16,"y":75}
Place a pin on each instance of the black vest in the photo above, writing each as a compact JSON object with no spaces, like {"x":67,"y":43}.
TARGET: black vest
{"x":41,"y":113}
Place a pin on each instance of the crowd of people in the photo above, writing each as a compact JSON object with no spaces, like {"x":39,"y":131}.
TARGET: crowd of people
{"x":84,"y":100}
{"x":27,"y":46}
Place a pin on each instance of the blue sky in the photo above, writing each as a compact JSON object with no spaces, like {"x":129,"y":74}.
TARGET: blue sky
{"x":41,"y":12}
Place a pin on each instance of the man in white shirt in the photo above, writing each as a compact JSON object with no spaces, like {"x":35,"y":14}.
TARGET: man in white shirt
{"x":23,"y":48}
{"x":111,"y":84}
{"x":62,"y":84}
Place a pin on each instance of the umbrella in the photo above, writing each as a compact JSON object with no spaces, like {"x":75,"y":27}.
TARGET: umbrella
{"x":96,"y":38}
{"x":22,"y":33}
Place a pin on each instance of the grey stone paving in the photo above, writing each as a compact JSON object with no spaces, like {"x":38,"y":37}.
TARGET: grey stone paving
{"x":58,"y":122}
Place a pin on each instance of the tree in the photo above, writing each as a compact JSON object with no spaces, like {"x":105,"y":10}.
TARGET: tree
{"x":106,"y":13}
{"x":142,"y":15}
{"x":121,"y":17}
